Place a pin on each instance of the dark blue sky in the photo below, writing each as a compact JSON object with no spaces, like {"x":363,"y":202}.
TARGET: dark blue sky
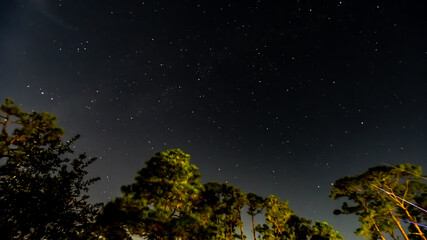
{"x":274,"y":97}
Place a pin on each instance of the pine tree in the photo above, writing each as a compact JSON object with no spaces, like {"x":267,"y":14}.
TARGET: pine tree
{"x":382,"y":197}
{"x":255,"y":207}
{"x":161,"y":203}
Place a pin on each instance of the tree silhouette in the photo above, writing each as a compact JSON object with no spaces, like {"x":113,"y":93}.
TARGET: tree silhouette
{"x":41,"y":189}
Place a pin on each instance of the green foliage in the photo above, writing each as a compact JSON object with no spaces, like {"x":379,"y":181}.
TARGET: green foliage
{"x":300,"y":228}
{"x":282,"y":223}
{"x":277,"y":215}
{"x":255,"y":205}
{"x":224,"y":203}
{"x":324,"y":231}
{"x":40,"y":189}
{"x":42,"y":196}
{"x":162,"y":203}
{"x":377,"y":198}
{"x":167,"y":201}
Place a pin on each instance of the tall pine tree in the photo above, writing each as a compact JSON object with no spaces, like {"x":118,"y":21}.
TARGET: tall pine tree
{"x":161,"y":203}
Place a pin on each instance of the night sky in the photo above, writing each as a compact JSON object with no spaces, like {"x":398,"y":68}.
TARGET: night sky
{"x":274,"y":97}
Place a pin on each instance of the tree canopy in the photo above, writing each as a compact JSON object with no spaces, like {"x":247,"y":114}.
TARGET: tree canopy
{"x":161,"y":203}
{"x":41,"y":190}
{"x":167,"y":201}
{"x":383,"y":197}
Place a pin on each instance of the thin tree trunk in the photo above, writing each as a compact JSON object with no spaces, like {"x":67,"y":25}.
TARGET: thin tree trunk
{"x":408,"y":214}
{"x":241,"y":226}
{"x":399,"y":226}
{"x":6,"y":121}
{"x":377,"y":229}
{"x":415,"y":225}
{"x":401,"y":204}
{"x":253,"y":226}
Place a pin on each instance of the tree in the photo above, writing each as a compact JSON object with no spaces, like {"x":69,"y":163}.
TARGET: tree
{"x":225,"y":203}
{"x":324,"y":231}
{"x":282,"y":223}
{"x":299,"y":228}
{"x":161,"y":203}
{"x":403,"y":185}
{"x":41,"y":190}
{"x":167,"y":201}
{"x":236,"y":200}
{"x":277,"y":215}
{"x":255,"y":207}
{"x":381,"y":197}
{"x":420,"y":201}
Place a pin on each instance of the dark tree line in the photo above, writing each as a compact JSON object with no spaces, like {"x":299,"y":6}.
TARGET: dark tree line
{"x":41,"y":190}
{"x":43,"y":196}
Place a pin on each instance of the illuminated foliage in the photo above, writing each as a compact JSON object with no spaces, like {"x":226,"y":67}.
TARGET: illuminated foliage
{"x":225,"y":203}
{"x":382,"y":197}
{"x":167,"y":201}
{"x":324,"y":231}
{"x":161,"y":203}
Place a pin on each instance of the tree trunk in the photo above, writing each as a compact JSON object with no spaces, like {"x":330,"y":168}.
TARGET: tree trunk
{"x":399,"y":226}
{"x":415,"y":225}
{"x":253,"y":226}
{"x":401,"y":204}
{"x":241,"y":226}
{"x":377,"y":229}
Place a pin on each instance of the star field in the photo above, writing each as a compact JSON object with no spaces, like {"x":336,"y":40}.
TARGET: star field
{"x":273,"y":97}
